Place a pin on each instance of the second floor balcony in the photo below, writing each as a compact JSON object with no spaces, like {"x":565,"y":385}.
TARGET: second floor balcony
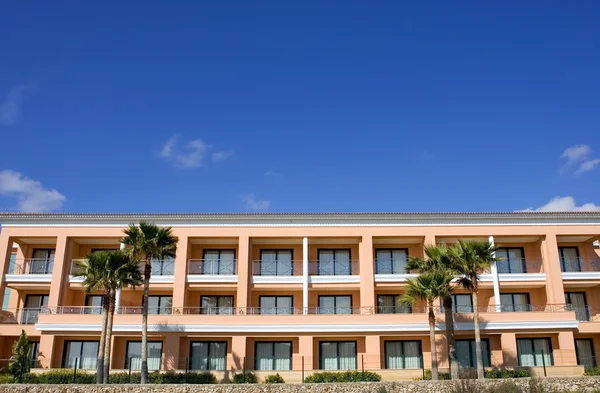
{"x":30,"y":270}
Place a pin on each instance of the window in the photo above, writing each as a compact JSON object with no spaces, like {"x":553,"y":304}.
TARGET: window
{"x":512,"y":260}
{"x":276,"y":304}
{"x":273,"y":355}
{"x":33,"y":306}
{"x":584,"y":347}
{"x":390,"y":304}
{"x":466,"y":356}
{"x":216,"y":305}
{"x":403,"y":354}
{"x":163,"y":267}
{"x":41,"y":261}
{"x":569,"y":259}
{"x":578,"y":303}
{"x":391,"y":261}
{"x":134,"y":355}
{"x":205,"y":355}
{"x":515,"y":302}
{"x":160,"y":304}
{"x":218,"y":262}
{"x":334,"y":263}
{"x":276,"y":263}
{"x":337,"y":355}
{"x":341,"y":304}
{"x":80,"y":354}
{"x":534,"y":352}
{"x":34,"y":352}
{"x":93,"y":304}
{"x":462,"y":303}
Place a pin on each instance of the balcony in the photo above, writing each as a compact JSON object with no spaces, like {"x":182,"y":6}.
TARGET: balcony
{"x":334,"y":271}
{"x":276,"y":272}
{"x":212,"y":271}
{"x":30,"y":270}
{"x":580,"y":268}
{"x":387,"y":270}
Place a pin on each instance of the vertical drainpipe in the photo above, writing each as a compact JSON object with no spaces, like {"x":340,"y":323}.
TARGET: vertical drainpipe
{"x":118,"y":296}
{"x":495,"y":280}
{"x":305,"y":276}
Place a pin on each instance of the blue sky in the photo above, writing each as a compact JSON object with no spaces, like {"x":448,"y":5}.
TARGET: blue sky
{"x":299,"y":106}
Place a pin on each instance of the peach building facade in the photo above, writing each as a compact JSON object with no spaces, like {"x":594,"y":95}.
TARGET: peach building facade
{"x":296,"y":293}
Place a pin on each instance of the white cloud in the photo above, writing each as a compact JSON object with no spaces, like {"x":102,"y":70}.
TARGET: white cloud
{"x":251,"y":202}
{"x":10,"y":108}
{"x":576,"y":153}
{"x":219,"y":156}
{"x":187,"y":155}
{"x":565,"y":204}
{"x":30,"y":194}
{"x":587,"y":166}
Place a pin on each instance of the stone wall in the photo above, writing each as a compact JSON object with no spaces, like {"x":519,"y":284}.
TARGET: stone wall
{"x":558,"y":384}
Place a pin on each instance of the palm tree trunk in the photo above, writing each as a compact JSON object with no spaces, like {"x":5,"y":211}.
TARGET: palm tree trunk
{"x":100,"y":363}
{"x":107,"y":345}
{"x":434,"y":360}
{"x":478,"y":355}
{"x":449,"y":319}
{"x":147,"y":274}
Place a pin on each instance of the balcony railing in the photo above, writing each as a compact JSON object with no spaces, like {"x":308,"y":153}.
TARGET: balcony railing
{"x":400,"y":309}
{"x":212,"y":267}
{"x":276,"y":268}
{"x":333,"y":268}
{"x":386,"y":266}
{"x":20,"y":316}
{"x":165,"y":267}
{"x":522,"y":265}
{"x":571,"y":265}
{"x":32,"y":266}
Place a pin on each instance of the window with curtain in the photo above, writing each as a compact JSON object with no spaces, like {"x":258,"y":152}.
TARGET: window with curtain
{"x":569,"y":259}
{"x":389,"y":304}
{"x":512,"y":260}
{"x":334,"y":263}
{"x":462,"y":303}
{"x":33,"y":307}
{"x":216,"y":305}
{"x":276,"y":304}
{"x":391,"y":261}
{"x":466,"y":356}
{"x":208,"y":355}
{"x":340,"y":304}
{"x":403,"y":355}
{"x":276,"y":263}
{"x":160,"y":304}
{"x":273,"y":356}
{"x":85,"y":353}
{"x":585,"y":352}
{"x":218,"y":262}
{"x":337,"y":355}
{"x":163,"y":267}
{"x":578,"y":303}
{"x":42,"y":261}
{"x":534,"y":352}
{"x":34,"y":352}
{"x":134,"y":355}
{"x":515,"y":302}
{"x":93,"y":304}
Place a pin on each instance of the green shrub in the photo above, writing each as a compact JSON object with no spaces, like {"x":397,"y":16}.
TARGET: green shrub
{"x":60,"y":377}
{"x":244,"y":378}
{"x":122,"y":378}
{"x":536,"y":386}
{"x":592,"y":371}
{"x":165,"y":378}
{"x":505,"y":373}
{"x":347,"y":376}
{"x":427,"y":377}
{"x":504,"y":387}
{"x":274,"y":379}
{"x":4,"y":379}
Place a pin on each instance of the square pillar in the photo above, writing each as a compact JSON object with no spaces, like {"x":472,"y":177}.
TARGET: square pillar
{"x":555,"y":291}
{"x":237,"y":362}
{"x":243,"y":272}
{"x":180,"y":276}
{"x":171,"y":354}
{"x":60,"y":271}
{"x":372,"y":356}
{"x":367,"y":276}
{"x":46,"y":352}
{"x":508,"y":341}
{"x":566,"y":348}
{"x":305,"y":351}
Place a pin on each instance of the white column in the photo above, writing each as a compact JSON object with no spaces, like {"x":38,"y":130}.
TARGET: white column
{"x":495,"y":280}
{"x":118,"y":295}
{"x":305,"y":275}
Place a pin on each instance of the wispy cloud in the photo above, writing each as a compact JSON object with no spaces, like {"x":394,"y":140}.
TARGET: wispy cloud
{"x":219,"y":156}
{"x":587,"y":166}
{"x":10,"y":108}
{"x":192,"y":153}
{"x":31,"y":195}
{"x":564,"y":204}
{"x":579,"y":155}
{"x":252,"y":202}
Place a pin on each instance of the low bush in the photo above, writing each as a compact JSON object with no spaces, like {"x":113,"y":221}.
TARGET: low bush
{"x":347,"y":376}
{"x":427,"y":376}
{"x":244,"y":378}
{"x":592,"y":371}
{"x":60,"y":377}
{"x":4,"y":379}
{"x":497,"y":373}
{"x":274,"y":379}
{"x":504,"y":387}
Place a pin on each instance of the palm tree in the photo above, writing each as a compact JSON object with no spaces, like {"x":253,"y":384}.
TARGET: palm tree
{"x":471,"y":259}
{"x":144,"y":243}
{"x":428,"y":286}
{"x":107,"y":271}
{"x":439,"y":260}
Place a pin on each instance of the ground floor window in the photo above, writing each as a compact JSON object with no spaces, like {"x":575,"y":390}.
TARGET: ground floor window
{"x":80,"y":354}
{"x":273,"y":356}
{"x":134,"y":355}
{"x":466,"y":356}
{"x":403,"y":354}
{"x":585,"y":352}
{"x":534,"y":352}
{"x":337,"y":355}
{"x":206,"y":355}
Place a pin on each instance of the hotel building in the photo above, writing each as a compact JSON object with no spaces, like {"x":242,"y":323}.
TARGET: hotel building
{"x":296,"y":293}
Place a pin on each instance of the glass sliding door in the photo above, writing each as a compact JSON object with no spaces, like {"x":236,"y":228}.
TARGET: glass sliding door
{"x":134,"y":355}
{"x":80,"y":354}
{"x":340,"y":304}
{"x":465,"y":353}
{"x":578,"y":303}
{"x":218,"y":262}
{"x":391,"y":261}
{"x":276,"y":263}
{"x":569,"y":259}
{"x":33,"y":306}
{"x":282,"y":305}
{"x":462,"y":303}
{"x":273,"y":356}
{"x":534,"y":352}
{"x":585,"y":352}
{"x":338,"y":355}
{"x":93,"y":304}
{"x":514,"y":302}
{"x":208,"y":355}
{"x":512,"y":260}
{"x":216,"y":305}
{"x":42,"y":261}
{"x":403,"y":355}
{"x":334,"y":263}
{"x":390,"y":304}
